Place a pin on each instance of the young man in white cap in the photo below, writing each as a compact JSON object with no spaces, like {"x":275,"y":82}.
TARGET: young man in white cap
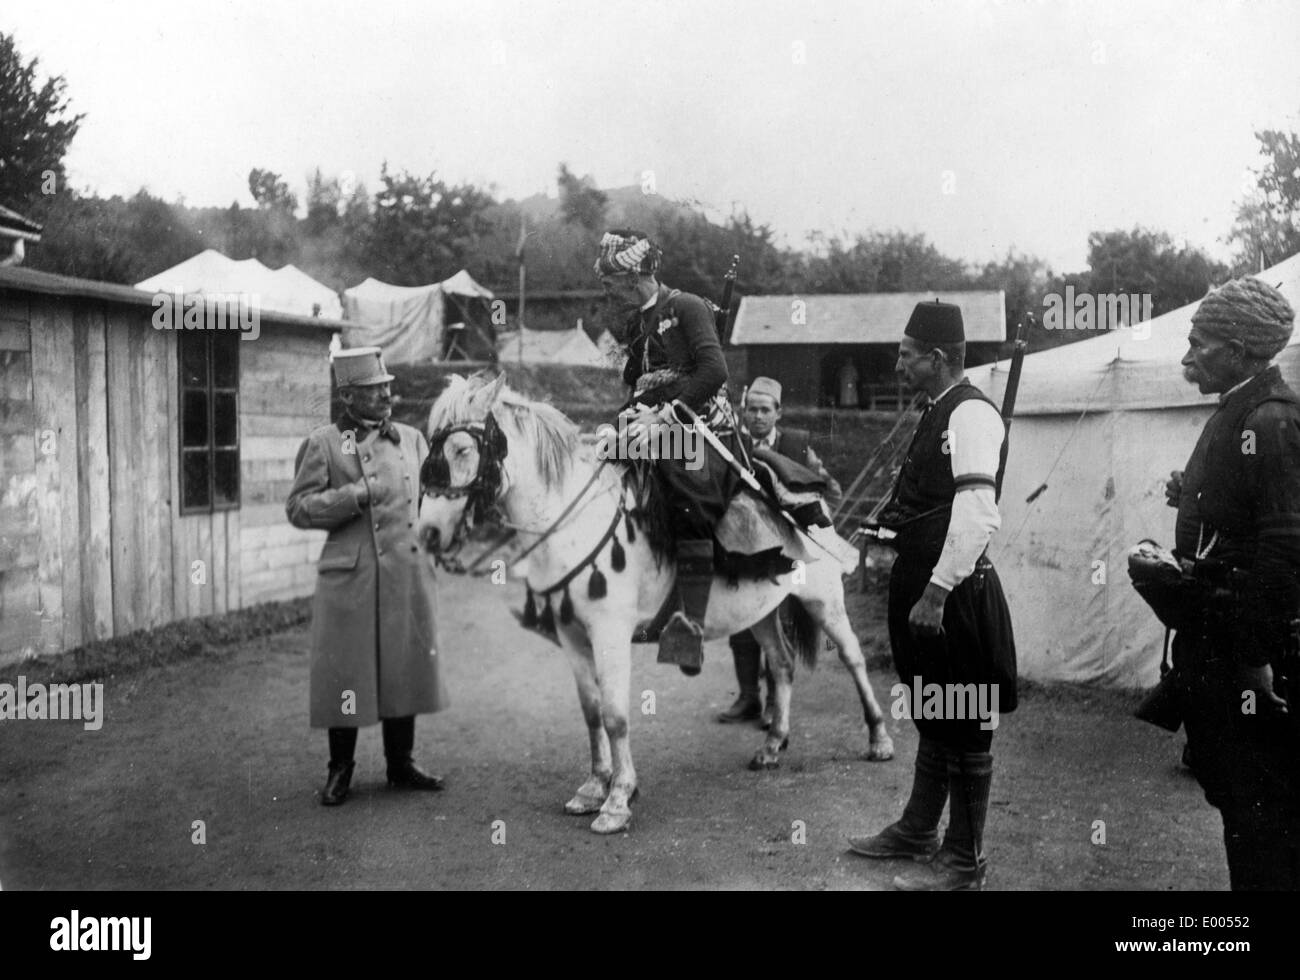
{"x":762,"y":412}
{"x":1239,"y":522}
{"x":374,"y":653}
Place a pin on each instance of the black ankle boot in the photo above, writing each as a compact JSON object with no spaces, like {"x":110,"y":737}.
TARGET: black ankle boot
{"x":337,"y":784}
{"x":403,"y":773}
{"x":343,"y":746}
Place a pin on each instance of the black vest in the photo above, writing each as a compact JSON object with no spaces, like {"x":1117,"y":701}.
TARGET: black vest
{"x":1214,"y":494}
{"x":922,"y":501}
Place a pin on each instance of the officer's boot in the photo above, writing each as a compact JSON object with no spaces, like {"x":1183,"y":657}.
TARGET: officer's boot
{"x":748,"y":656}
{"x":916,"y":833}
{"x":403,"y":773}
{"x":343,"y":747}
{"x":959,"y":865}
{"x":682,"y":639}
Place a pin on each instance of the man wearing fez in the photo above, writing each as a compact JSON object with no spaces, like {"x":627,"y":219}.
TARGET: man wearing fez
{"x":674,"y":353}
{"x":948,"y":619}
{"x":762,"y":411}
{"x":1239,"y":517}
{"x":374,"y":650}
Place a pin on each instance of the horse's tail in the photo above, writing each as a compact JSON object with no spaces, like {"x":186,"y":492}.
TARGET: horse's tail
{"x":807,"y":634}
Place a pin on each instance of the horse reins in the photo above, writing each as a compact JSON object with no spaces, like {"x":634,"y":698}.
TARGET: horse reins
{"x":482,"y":493}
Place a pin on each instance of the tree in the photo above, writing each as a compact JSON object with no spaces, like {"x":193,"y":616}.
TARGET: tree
{"x":324,"y":201}
{"x":270,"y":192}
{"x":423,"y":229}
{"x":581,"y":202}
{"x":1147,"y":262}
{"x":35,"y":131}
{"x":880,"y":262}
{"x":114,"y":240}
{"x":1267,"y":226}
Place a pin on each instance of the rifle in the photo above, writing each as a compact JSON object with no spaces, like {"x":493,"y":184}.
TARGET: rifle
{"x":723,"y":315}
{"x":1019,"y":347}
{"x":871,"y":529}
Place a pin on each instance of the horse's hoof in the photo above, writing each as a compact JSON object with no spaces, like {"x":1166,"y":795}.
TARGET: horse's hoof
{"x":881,"y":747}
{"x":880,"y":753}
{"x":785,"y":744}
{"x":583,"y":804}
{"x":611,"y":823}
{"x":763,"y":763}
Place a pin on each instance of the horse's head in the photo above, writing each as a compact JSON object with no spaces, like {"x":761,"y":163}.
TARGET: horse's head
{"x":462,"y":478}
{"x":488,"y":447}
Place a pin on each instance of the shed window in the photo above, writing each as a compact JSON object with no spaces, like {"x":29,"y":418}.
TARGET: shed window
{"x":209,"y":423}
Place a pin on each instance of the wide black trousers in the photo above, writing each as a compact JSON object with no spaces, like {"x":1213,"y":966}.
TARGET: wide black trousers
{"x":977,"y":646}
{"x":1248,"y":763}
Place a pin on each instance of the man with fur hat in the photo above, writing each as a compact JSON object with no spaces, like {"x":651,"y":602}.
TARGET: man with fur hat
{"x":762,"y":412}
{"x":674,"y":353}
{"x":374,"y":653}
{"x":1238,"y":519}
{"x":948,"y":619}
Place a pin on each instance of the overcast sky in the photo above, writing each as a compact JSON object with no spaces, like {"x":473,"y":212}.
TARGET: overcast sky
{"x":1043,"y":121}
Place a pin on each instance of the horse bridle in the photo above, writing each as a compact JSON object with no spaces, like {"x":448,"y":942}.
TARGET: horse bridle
{"x":485,"y":489}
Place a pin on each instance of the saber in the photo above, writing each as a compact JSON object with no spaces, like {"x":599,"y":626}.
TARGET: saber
{"x":746,"y":476}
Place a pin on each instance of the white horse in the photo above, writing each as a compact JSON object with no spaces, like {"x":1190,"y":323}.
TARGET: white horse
{"x":501,"y":458}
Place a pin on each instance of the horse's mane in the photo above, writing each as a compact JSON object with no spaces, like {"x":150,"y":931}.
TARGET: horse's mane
{"x":553,"y":436}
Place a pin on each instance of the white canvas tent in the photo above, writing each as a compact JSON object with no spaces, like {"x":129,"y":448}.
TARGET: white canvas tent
{"x":1102,"y":423}
{"x":407,"y":322}
{"x":286,"y":290}
{"x":551,"y":347}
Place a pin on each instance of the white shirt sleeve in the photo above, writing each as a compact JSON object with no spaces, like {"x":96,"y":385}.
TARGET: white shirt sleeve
{"x":974,"y":439}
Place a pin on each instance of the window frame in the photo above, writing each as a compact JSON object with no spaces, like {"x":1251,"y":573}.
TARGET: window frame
{"x":210,"y":391}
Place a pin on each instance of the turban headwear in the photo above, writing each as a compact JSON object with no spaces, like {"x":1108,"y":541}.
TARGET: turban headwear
{"x":624,"y":251}
{"x":1250,"y":311}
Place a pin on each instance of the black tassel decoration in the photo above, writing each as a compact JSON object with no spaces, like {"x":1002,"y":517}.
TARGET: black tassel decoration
{"x":617,"y":558}
{"x":547,"y":621}
{"x":566,"y":607}
{"x":530,"y":611}
{"x":631,"y":528}
{"x":596,"y":585}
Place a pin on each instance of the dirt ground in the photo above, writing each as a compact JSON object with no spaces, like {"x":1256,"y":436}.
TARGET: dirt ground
{"x":224,"y":740}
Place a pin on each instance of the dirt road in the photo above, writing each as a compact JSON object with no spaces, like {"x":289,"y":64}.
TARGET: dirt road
{"x":224,"y":740}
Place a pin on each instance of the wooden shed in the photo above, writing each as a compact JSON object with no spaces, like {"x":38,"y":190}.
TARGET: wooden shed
{"x":143,"y":471}
{"x":839,"y":350}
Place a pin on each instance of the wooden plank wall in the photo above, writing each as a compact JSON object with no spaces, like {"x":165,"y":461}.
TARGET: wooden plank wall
{"x":92,"y":542}
{"x":140,"y":490}
{"x":20,"y":596}
{"x":284,"y":391}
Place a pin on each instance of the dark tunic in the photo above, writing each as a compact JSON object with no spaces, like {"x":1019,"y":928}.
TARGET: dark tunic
{"x":675,"y":354}
{"x":977,"y":645}
{"x":1248,"y":504}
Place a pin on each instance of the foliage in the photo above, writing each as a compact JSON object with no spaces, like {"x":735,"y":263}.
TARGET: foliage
{"x":1267,"y":225}
{"x":36,"y":129}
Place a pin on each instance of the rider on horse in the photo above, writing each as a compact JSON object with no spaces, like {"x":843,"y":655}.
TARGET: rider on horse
{"x":675,"y":353}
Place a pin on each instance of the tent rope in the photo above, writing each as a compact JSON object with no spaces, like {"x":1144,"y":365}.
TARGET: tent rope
{"x":1061,"y":455}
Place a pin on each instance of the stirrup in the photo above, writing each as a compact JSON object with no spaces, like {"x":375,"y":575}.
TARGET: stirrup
{"x":682,"y":643}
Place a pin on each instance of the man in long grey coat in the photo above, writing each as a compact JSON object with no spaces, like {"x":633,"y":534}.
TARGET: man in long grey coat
{"x":374,"y":653}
